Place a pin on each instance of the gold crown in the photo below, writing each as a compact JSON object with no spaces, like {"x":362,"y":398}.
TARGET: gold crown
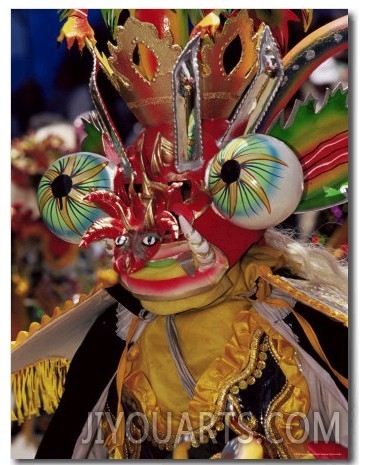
{"x":141,"y":68}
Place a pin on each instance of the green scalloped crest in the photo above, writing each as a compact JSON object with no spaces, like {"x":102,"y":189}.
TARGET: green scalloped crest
{"x":319,"y":137}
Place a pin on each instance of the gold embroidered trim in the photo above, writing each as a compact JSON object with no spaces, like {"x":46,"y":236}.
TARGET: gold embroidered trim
{"x":247,"y":375}
{"x":255,"y":344}
{"x":149,"y":101}
{"x":326,"y":302}
{"x":271,"y":429}
{"x":230,"y":388}
{"x":132,"y":448}
{"x":220,"y":96}
{"x":273,"y":351}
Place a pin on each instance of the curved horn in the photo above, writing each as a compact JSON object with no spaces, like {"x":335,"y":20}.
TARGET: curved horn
{"x":200,"y":247}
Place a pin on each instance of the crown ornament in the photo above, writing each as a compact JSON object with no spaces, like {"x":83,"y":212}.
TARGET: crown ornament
{"x":147,"y":92}
{"x":142,"y":63}
{"x":223,"y":80}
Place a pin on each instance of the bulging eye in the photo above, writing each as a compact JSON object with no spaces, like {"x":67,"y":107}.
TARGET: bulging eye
{"x":121,"y":240}
{"x":255,"y":181}
{"x":149,"y":240}
{"x":62,"y":189}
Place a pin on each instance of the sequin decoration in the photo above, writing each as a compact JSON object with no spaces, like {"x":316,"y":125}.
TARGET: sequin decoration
{"x":255,"y":181}
{"x":62,"y":189}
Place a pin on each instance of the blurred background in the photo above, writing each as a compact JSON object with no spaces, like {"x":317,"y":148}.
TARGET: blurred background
{"x":49,"y":94}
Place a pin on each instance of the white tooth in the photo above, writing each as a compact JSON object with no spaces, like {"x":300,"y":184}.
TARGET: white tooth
{"x":203,"y":248}
{"x":199,"y":246}
{"x":185,"y":226}
{"x":206,"y":257}
{"x":206,"y":262}
{"x":194,"y":238}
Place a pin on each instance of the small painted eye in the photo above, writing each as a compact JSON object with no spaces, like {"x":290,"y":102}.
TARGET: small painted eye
{"x":149,"y":240}
{"x":255,"y":181}
{"x":121,"y":240}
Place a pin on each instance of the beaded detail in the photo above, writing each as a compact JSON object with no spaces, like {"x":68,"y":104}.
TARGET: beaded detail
{"x":227,"y":409}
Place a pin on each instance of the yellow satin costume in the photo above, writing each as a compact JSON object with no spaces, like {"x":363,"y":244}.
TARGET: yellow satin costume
{"x":225,"y":343}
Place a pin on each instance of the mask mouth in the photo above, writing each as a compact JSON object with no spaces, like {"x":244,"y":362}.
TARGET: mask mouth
{"x":169,"y":280}
{"x":178,"y":269}
{"x":193,"y":254}
{"x":171,"y":250}
{"x":175,"y":253}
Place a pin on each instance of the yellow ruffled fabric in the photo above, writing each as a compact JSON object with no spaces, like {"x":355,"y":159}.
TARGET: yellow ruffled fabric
{"x":216,"y":345}
{"x":155,"y":385}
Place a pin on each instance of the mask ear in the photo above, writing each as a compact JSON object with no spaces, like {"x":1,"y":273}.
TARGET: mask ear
{"x":255,"y":181}
{"x":319,"y":137}
{"x":62,"y":189}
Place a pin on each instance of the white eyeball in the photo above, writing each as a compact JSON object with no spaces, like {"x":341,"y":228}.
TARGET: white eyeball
{"x":62,"y":189}
{"x":255,"y":181}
